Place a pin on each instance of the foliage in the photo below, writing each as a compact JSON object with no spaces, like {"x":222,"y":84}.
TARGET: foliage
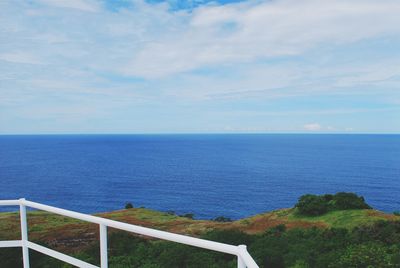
{"x":188,"y":215}
{"x":361,"y":240}
{"x":368,"y":255}
{"x":374,"y":245}
{"x":314,"y":205}
{"x":128,"y":205}
{"x":222,"y":219}
{"x":343,"y":201}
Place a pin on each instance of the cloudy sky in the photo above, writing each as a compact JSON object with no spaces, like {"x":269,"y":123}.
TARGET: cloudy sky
{"x":135,"y":66}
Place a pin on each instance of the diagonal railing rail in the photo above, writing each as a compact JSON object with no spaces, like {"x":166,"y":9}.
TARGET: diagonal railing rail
{"x":243,"y":257}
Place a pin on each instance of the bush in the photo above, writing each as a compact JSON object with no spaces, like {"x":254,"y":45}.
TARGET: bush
{"x":300,"y":264}
{"x":276,"y":230}
{"x":188,"y":215}
{"x":171,"y":212}
{"x":128,"y":205}
{"x":366,"y":255}
{"x":343,"y":201}
{"x":229,"y":236}
{"x":375,"y":245}
{"x":314,"y":205}
{"x":222,"y":219}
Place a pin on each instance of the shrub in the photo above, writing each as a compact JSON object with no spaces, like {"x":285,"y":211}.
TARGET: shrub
{"x":343,"y":201}
{"x":300,"y":264}
{"x":222,"y":219}
{"x":171,"y":212}
{"x":229,"y":236}
{"x":128,"y":205}
{"x":187,"y":215}
{"x":312,"y":205}
{"x":376,"y":245}
{"x":366,"y":255}
{"x":276,"y":230}
{"x":396,"y":213}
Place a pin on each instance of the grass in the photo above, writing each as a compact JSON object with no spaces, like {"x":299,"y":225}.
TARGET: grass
{"x":70,"y":235}
{"x":144,"y":214}
{"x":345,"y":218}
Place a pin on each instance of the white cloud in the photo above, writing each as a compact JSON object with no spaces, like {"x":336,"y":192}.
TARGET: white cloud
{"x":316,"y":127}
{"x":151,"y":41}
{"x":254,"y":30}
{"x":312,"y":127}
{"x":84,"y":5}
{"x":20,"y":57}
{"x":259,"y":53}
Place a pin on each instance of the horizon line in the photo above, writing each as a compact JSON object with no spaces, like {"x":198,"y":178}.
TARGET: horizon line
{"x":204,"y":133}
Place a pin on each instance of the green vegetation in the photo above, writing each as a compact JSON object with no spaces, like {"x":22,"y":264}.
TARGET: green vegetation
{"x":222,"y":219}
{"x":128,"y":205}
{"x":188,"y":215}
{"x":342,"y":218}
{"x":313,"y":205}
{"x":377,"y":245}
{"x":341,"y":237}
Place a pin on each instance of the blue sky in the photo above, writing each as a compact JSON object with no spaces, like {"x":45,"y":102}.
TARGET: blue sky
{"x":127,"y":66}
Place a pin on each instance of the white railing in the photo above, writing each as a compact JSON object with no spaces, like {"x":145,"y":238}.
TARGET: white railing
{"x":243,"y":257}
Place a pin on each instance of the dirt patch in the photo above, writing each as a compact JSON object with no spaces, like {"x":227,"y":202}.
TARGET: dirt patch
{"x":262,"y":224}
{"x":376,"y":213}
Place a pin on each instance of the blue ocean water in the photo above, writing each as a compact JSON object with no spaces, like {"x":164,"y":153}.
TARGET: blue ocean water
{"x":208,"y":175}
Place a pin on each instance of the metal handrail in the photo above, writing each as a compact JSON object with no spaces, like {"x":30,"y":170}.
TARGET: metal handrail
{"x":243,"y":257}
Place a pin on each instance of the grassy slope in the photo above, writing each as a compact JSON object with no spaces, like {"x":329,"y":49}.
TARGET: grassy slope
{"x":71,"y":235}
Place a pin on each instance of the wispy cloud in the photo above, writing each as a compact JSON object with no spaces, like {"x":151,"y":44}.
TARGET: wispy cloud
{"x":312,"y":127}
{"x":255,"y":30}
{"x":20,"y":57}
{"x":84,"y":5}
{"x":265,"y":59}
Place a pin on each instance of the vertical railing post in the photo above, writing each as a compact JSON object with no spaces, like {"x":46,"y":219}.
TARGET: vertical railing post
{"x":240,"y":261}
{"x":24,"y":233}
{"x":103,"y":246}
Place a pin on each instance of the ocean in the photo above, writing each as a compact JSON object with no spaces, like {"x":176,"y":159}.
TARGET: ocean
{"x":231,"y":175}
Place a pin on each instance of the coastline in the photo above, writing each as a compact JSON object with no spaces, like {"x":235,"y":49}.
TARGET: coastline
{"x":71,"y":235}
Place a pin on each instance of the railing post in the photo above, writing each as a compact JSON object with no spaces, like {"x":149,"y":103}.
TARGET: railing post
{"x":24,"y":233}
{"x":240,"y":261}
{"x":103,"y":246}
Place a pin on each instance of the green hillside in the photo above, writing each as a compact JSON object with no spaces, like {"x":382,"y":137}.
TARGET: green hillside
{"x":280,"y":238}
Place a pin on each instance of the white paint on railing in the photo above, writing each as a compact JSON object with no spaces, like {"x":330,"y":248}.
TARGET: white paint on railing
{"x":10,"y":202}
{"x":24,"y":233}
{"x":244,"y":258}
{"x":11,"y":244}
{"x":103,"y":246}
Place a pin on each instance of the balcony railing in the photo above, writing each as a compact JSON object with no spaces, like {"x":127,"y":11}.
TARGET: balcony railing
{"x":243,"y":257}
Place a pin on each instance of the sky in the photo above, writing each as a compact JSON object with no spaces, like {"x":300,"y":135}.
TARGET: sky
{"x":135,"y":66}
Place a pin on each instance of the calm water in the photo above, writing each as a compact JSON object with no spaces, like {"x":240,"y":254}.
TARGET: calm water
{"x":208,"y":175}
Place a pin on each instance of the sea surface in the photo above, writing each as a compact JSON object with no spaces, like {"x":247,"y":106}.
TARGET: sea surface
{"x":209,"y":175}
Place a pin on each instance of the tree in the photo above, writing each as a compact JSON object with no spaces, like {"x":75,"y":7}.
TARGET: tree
{"x":343,"y":201}
{"x":128,"y":205}
{"x":312,"y":205}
